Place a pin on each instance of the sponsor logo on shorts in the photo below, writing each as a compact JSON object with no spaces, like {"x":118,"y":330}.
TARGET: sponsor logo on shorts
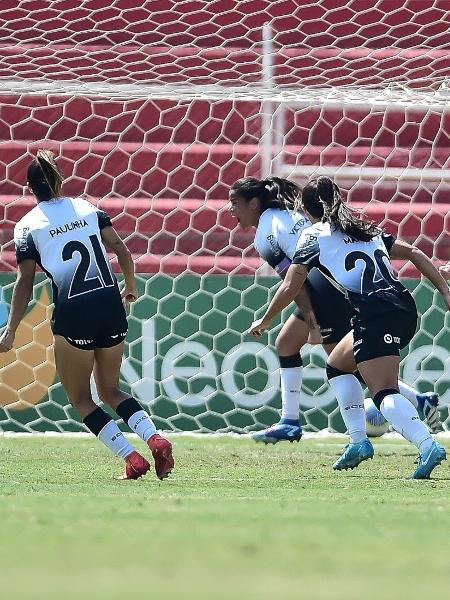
{"x":80,"y":342}
{"x":388,"y":338}
{"x":357,"y":343}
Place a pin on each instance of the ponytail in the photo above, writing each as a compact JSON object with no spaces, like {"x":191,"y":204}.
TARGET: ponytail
{"x":44,"y":176}
{"x":273,"y":192}
{"x":321,"y":197}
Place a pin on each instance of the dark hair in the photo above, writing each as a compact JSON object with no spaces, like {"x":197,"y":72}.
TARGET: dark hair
{"x":273,"y":192}
{"x":44,"y":176}
{"x":321,"y":197}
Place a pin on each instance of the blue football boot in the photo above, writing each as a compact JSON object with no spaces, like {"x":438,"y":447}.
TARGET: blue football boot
{"x":428,"y":460}
{"x":354,"y":454}
{"x":428,"y":410}
{"x":288,"y":430}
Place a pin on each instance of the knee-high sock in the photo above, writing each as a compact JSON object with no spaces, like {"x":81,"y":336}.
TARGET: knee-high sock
{"x":409,"y":393}
{"x":291,"y":372}
{"x":404,"y":418}
{"x":137,"y":419}
{"x":108,"y":432}
{"x":350,"y":397}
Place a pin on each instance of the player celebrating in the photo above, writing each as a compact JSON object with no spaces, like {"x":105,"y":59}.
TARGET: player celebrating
{"x":269,"y":205}
{"x":66,"y":237}
{"x":354,"y":255}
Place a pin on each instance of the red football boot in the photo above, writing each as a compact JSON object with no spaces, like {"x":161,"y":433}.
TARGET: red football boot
{"x":161,"y":450}
{"x":135,"y":466}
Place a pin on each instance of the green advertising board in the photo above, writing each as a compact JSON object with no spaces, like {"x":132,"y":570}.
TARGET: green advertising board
{"x":189,"y":360}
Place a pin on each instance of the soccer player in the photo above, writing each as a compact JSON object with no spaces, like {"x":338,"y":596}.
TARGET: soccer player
{"x":67,"y":237}
{"x":270,"y":206}
{"x":355,"y":255}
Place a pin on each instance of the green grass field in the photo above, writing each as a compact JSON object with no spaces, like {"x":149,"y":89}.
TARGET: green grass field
{"x":235,"y":520}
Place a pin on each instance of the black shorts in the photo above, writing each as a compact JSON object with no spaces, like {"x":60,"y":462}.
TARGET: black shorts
{"x":101,"y":341}
{"x":332,"y":309}
{"x":95,"y":322}
{"x":384,"y":335}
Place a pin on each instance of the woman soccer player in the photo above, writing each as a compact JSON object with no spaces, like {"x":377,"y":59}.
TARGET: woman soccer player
{"x":269,"y":205}
{"x":66,"y":237}
{"x":354,"y":255}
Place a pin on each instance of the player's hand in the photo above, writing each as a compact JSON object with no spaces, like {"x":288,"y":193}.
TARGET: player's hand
{"x":445,"y":271}
{"x":7,"y":340}
{"x":315,"y":336}
{"x":258,"y":327}
{"x":129,"y":294}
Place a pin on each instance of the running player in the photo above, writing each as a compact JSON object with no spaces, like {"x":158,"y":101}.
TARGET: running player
{"x":354,"y":255}
{"x":268,"y":205}
{"x":66,"y":237}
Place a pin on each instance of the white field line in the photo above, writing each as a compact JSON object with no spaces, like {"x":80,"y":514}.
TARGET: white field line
{"x":318,"y":435}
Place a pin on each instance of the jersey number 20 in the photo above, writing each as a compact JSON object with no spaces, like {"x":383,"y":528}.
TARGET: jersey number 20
{"x":369,"y":283}
{"x":80,"y":282}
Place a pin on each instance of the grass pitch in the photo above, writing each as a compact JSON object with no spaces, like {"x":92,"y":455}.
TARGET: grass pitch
{"x":235,"y":520}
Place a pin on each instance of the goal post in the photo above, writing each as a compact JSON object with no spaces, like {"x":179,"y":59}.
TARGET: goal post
{"x":153,"y":114}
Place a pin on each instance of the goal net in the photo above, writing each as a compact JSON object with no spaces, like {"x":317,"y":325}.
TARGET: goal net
{"x":154,"y":109}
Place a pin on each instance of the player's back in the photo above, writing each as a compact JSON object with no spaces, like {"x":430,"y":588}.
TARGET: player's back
{"x":63,"y":235}
{"x":362,"y":268}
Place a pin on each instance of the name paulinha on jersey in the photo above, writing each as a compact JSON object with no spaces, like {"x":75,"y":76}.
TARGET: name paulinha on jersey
{"x":68,"y":227}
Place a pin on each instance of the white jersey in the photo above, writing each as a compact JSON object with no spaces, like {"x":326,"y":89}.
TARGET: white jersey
{"x":63,"y":236}
{"x":277,"y":236}
{"x":362,"y":269}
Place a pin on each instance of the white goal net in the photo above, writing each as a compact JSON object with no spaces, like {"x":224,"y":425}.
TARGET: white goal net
{"x":154,"y":109}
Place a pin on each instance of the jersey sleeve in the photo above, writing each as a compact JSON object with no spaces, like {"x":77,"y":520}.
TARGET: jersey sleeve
{"x":24,"y":243}
{"x":104,"y":219}
{"x":308,"y":251}
{"x":388,"y":240}
{"x":269,"y":248}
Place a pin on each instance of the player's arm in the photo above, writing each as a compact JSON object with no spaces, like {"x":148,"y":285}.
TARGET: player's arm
{"x":285,"y":294}
{"x":303,"y":301}
{"x":444,"y":270}
{"x":23,"y":289}
{"x":114,"y":244}
{"x":404,"y":251}
{"x":306,"y":257}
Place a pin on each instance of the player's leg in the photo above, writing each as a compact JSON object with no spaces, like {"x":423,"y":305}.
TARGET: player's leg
{"x":378,"y":358}
{"x":292,"y":337}
{"x":350,"y":397}
{"x":74,"y":366}
{"x":107,"y":363}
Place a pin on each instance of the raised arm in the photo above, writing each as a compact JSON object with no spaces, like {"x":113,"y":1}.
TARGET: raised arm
{"x":405,"y":251}
{"x":20,"y":299}
{"x":113,"y":243}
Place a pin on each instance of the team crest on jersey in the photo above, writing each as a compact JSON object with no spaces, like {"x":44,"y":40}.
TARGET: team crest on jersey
{"x":68,"y":227}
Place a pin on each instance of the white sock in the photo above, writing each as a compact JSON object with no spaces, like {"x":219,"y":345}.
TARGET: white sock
{"x":141,"y":424}
{"x":291,"y":386}
{"x":114,"y":439}
{"x":404,"y":418}
{"x":409,"y":393}
{"x":350,"y":397}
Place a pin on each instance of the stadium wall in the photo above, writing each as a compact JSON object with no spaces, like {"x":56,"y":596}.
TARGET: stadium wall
{"x":188,"y":359}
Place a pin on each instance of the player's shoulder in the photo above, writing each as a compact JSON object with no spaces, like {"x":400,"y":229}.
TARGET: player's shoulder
{"x":31,"y":220}
{"x":83,"y":206}
{"x":315,"y":230}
